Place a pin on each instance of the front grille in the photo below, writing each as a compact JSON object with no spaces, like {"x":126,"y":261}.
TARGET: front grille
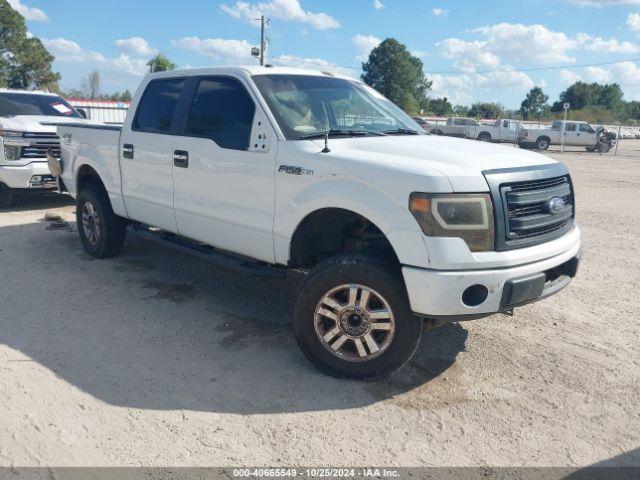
{"x":40,"y":144}
{"x":522,"y":202}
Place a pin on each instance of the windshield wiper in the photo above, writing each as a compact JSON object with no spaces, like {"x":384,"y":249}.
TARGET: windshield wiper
{"x":335,"y":132}
{"x":401,"y":131}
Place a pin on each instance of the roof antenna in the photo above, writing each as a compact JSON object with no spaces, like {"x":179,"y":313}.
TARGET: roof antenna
{"x":326,"y":148}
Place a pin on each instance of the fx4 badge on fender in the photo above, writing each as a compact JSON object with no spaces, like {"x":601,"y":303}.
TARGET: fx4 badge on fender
{"x":293,"y":170}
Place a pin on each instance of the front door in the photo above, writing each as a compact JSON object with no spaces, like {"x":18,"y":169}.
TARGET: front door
{"x":224,"y":162}
{"x":146,"y":153}
{"x":571,"y":136}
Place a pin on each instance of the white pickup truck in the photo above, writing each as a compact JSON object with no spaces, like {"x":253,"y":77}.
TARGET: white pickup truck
{"x":274,"y":170}
{"x":455,"y":127}
{"x":25,"y":140}
{"x":576,"y":134}
{"x":501,"y":131}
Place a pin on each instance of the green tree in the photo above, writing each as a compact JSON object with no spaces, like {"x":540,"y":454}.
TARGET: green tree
{"x":486,"y":110}
{"x":398,"y":75}
{"x":24,"y":62}
{"x":461,"y":111}
{"x":535,"y":104}
{"x":160,"y":63}
{"x":440,"y":107}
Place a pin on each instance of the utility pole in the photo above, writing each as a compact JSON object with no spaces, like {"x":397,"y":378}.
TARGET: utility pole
{"x":263,"y":43}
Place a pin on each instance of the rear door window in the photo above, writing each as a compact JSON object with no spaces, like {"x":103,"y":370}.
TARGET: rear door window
{"x":570,"y":127}
{"x":223,"y":111}
{"x":158,"y":105}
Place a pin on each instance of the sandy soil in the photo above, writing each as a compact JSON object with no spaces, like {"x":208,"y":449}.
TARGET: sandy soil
{"x":155,"y":359}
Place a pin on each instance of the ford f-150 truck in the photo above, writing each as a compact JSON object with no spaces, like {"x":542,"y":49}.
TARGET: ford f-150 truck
{"x":25,"y":140}
{"x":275,"y":170}
{"x":502,"y":130}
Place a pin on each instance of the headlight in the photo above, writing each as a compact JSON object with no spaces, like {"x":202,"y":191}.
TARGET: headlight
{"x":465,"y":216}
{"x":12,"y":152}
{"x":13,"y":144}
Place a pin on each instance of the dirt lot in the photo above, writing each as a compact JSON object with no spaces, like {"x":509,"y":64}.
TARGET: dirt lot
{"x":155,"y":359}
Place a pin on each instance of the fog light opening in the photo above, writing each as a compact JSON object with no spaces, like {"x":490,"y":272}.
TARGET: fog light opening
{"x":475,"y":295}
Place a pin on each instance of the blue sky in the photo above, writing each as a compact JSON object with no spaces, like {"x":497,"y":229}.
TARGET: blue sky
{"x":473,"y":50}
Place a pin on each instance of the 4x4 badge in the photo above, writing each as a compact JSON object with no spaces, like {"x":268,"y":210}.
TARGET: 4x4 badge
{"x":293,"y":170}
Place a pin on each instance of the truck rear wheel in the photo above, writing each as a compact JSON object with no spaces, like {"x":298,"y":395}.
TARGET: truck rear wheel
{"x":101,"y":231}
{"x":484,"y":137}
{"x":542,"y":143}
{"x":353,"y":319}
{"x":6,"y":196}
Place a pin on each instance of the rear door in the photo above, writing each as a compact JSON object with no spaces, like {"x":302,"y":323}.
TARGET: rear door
{"x":146,"y":153}
{"x":571,"y":134}
{"x":587,"y":135}
{"x":224,"y":168}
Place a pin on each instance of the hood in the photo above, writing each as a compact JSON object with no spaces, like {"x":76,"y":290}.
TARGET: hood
{"x":34,"y":123}
{"x":461,"y":161}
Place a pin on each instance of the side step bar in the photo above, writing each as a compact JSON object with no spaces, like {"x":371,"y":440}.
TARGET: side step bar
{"x":207,"y":253}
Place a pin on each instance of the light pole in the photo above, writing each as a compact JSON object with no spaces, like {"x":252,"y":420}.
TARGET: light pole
{"x":566,"y":107}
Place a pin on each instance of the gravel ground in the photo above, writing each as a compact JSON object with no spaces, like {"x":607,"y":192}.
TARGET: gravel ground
{"x":155,"y":359}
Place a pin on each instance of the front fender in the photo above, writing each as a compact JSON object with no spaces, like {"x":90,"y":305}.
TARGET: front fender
{"x":391,"y":217}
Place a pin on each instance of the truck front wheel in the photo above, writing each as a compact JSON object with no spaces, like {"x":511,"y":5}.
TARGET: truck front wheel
{"x":6,"y":196}
{"x":101,"y":231}
{"x":353,"y":319}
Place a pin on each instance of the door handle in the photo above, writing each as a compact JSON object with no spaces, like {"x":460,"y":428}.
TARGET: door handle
{"x":127,"y":151}
{"x":181,"y":159}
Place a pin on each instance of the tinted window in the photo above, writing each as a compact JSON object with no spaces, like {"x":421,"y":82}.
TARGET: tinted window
{"x":12,"y":104}
{"x":222,"y":110}
{"x":585,"y":128}
{"x":158,"y":103}
{"x":459,"y":121}
{"x":570,"y":127}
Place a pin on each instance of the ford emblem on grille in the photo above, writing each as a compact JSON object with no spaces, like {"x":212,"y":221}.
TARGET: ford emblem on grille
{"x":555,"y":205}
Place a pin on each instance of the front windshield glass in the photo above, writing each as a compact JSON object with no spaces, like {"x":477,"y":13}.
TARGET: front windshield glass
{"x":13,"y":104}
{"x":305,"y":105}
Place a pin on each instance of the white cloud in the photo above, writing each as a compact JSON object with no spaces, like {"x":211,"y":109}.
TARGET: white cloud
{"x":596,"y":74}
{"x":612,"y":45}
{"x":288,"y":10}
{"x":468,"y":56}
{"x":136,"y":46}
{"x":364,"y":44}
{"x":378,"y":5}
{"x":633,"y":22}
{"x":463,"y":89}
{"x":603,"y":3}
{"x":440,"y":12}
{"x":225,"y":50}
{"x":69,"y":51}
{"x":567,"y":77}
{"x":29,"y":13}
{"x":531,"y":43}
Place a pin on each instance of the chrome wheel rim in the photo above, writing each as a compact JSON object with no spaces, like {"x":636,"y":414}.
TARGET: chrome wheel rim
{"x":354,"y":322}
{"x":91,"y":224}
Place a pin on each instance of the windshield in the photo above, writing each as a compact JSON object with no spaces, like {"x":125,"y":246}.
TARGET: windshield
{"x":305,"y":105}
{"x":13,"y":104}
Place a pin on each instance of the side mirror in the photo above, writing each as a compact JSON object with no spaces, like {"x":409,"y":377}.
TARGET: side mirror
{"x":82,"y":112}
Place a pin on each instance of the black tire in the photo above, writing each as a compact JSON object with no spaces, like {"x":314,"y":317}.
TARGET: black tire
{"x":484,"y":137}
{"x":542,"y":143}
{"x":6,"y":196}
{"x":111,"y":229}
{"x":384,"y":281}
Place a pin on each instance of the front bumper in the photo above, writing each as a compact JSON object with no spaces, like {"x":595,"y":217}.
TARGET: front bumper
{"x":439,"y":294}
{"x":33,"y":176}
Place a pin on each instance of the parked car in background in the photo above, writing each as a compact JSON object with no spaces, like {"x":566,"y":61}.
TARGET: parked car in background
{"x":576,"y":134}
{"x":25,"y":140}
{"x":422,"y":122}
{"x":502,"y":130}
{"x":265,"y":170}
{"x":455,"y":127}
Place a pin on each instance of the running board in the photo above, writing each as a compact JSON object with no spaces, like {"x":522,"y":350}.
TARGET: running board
{"x":208,"y":253}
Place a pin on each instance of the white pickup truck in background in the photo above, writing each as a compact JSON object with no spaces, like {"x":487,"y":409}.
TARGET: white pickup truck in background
{"x":576,"y":134}
{"x":25,"y":139}
{"x":275,"y":170}
{"x":501,"y":131}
